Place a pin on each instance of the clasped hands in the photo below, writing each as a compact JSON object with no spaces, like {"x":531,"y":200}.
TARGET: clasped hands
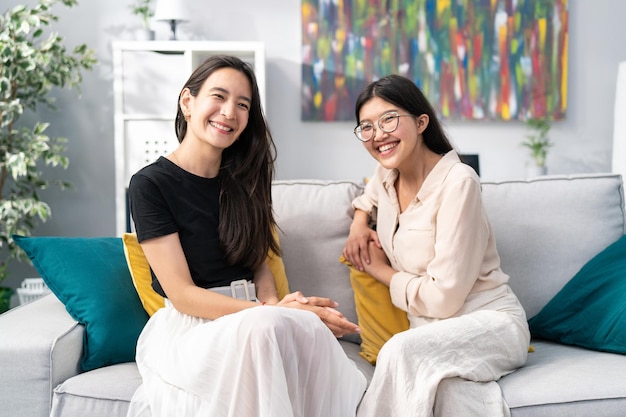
{"x":364,"y":251}
{"x":325,"y":308}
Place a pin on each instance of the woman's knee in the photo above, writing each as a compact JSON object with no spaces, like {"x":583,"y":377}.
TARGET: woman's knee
{"x":269,"y":321}
{"x":397,"y":346}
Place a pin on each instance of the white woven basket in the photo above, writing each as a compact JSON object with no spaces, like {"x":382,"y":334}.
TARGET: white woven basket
{"x":32,"y":289}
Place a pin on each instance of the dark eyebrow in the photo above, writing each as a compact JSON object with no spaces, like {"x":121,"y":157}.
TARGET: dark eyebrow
{"x":223,"y":90}
{"x":384,"y":113}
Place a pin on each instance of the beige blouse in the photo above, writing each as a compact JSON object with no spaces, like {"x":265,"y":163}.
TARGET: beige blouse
{"x":442,"y":245}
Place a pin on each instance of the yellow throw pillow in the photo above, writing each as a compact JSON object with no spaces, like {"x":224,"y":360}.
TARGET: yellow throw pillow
{"x":140,"y":273}
{"x":142,"y":278}
{"x":278,"y":270}
{"x":378,"y":318}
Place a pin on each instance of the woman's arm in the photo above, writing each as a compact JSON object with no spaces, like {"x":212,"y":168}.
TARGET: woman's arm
{"x":167,"y":260}
{"x":356,"y":249}
{"x":265,"y":285}
{"x":365,"y":207}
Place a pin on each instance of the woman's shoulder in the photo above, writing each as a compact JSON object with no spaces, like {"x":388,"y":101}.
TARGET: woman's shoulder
{"x":160,"y":164}
{"x":161,"y":168}
{"x":459,"y":170}
{"x":154,"y":173}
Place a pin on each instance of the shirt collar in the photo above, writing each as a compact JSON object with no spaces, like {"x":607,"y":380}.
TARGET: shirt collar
{"x":438,"y":174}
{"x":434,"y":178}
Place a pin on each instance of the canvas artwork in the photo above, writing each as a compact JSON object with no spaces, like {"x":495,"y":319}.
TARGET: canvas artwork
{"x":474,"y":59}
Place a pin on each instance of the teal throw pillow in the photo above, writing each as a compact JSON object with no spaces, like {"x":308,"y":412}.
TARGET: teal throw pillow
{"x":90,"y":277}
{"x":590,"y":310}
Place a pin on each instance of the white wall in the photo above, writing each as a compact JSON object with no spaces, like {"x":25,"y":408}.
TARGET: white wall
{"x":311,"y":149}
{"x":583,"y":142}
{"x":619,"y":131}
{"x":329,"y":150}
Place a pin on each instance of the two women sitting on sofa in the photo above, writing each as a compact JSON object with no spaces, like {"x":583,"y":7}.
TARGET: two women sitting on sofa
{"x":225,"y":346}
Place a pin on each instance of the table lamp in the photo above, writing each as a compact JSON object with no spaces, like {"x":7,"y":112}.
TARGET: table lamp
{"x":171,"y":11}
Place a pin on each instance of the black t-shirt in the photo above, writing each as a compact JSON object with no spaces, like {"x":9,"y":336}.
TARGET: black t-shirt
{"x":164,"y":199}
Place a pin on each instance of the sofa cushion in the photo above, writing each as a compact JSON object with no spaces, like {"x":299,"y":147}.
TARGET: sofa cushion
{"x":378,"y":318}
{"x":90,"y":277}
{"x":103,"y":392}
{"x":277,"y":266}
{"x":590,"y":311}
{"x":140,"y":273}
{"x":561,"y":380}
{"x":547,"y":228}
{"x":107,"y":391}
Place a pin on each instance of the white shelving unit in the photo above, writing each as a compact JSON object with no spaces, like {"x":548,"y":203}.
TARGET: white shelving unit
{"x":148,"y":77}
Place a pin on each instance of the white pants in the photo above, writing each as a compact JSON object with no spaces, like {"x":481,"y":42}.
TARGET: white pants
{"x":261,"y":362}
{"x":449,"y":367}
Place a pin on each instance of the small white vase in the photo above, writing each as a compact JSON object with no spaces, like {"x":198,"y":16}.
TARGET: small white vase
{"x":533,"y":170}
{"x":144,"y":34}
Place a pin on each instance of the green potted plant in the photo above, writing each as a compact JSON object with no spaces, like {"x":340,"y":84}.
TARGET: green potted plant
{"x":143,"y":9}
{"x":538,"y":143}
{"x":31,"y":64}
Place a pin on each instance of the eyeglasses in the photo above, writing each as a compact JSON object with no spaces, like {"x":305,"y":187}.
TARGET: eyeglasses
{"x":388,"y":122}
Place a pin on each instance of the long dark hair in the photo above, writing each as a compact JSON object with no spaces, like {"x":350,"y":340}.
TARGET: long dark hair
{"x":246,"y":173}
{"x":403,"y":93}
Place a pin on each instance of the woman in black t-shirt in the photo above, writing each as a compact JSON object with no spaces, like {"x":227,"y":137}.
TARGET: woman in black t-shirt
{"x":203,"y":216}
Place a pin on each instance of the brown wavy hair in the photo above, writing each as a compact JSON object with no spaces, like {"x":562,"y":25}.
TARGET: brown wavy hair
{"x":246,"y":174}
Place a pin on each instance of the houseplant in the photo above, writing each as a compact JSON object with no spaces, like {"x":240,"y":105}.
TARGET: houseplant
{"x":538,"y":142}
{"x":31,"y":65}
{"x":143,"y":9}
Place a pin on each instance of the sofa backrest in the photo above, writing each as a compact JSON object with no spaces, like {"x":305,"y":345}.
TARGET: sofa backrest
{"x":546,"y":230}
{"x":314,"y":219}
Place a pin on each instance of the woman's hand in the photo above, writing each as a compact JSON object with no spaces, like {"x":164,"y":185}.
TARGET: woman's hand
{"x":299,"y":297}
{"x":356,"y":250}
{"x":379,"y":266}
{"x":325,"y":310}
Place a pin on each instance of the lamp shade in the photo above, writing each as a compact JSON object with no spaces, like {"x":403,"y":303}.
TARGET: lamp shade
{"x":619,"y":125}
{"x":171,"y":10}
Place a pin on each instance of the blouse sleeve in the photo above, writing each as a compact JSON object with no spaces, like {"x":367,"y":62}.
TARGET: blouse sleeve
{"x":368,"y":201}
{"x":461,"y":238}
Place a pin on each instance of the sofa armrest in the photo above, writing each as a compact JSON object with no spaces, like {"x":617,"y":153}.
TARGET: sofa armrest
{"x":40,"y":347}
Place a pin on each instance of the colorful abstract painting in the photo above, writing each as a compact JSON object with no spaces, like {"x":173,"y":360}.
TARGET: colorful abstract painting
{"x":474,"y":59}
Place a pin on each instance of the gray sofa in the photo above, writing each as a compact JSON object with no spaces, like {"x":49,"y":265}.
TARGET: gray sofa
{"x":546,"y":229}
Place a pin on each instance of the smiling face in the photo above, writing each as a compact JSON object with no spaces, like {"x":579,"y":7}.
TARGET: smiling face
{"x":397,"y":149}
{"x":219,"y":112}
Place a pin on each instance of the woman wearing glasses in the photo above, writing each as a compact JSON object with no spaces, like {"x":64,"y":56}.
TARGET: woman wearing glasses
{"x":434,"y":248}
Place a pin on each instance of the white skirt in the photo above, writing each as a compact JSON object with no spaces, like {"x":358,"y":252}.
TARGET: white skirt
{"x":448,"y":367}
{"x":265,"y":361}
